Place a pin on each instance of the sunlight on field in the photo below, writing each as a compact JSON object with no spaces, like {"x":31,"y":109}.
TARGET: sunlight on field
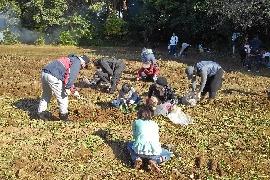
{"x":233,"y":131}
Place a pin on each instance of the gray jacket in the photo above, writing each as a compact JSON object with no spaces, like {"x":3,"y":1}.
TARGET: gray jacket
{"x":204,"y":69}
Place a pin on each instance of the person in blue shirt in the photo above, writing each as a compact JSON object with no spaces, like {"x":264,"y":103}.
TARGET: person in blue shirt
{"x":58,"y":78}
{"x":145,"y":144}
{"x":128,"y":98}
{"x":211,"y":74}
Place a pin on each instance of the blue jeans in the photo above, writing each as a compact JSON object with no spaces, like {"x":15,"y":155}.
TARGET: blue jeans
{"x":165,"y":155}
{"x":172,"y":49}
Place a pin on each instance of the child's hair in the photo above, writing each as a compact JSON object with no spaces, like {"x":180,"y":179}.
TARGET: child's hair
{"x":126,"y":87}
{"x":145,"y":112}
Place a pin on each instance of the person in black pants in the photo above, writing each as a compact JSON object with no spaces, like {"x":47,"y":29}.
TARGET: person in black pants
{"x":109,"y":70}
{"x":254,"y":56}
{"x":211,"y":74}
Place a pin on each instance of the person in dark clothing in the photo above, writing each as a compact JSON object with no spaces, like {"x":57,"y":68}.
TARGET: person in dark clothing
{"x":254,"y":56}
{"x":58,"y":78}
{"x":211,"y":74}
{"x":162,"y":91}
{"x":109,"y":70}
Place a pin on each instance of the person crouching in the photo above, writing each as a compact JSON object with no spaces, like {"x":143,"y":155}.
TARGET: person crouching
{"x":148,"y":71}
{"x":128,"y":99}
{"x":145,"y":144}
{"x":58,"y":77}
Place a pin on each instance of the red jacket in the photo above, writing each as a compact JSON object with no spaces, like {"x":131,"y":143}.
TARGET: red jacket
{"x":151,"y":71}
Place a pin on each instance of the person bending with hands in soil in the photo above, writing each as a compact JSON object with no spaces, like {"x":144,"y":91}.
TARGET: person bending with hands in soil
{"x":211,"y":74}
{"x":58,"y":77}
{"x":108,"y":70}
{"x":145,"y":144}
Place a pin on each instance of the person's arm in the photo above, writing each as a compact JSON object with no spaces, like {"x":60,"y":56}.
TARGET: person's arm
{"x":203,"y":76}
{"x":133,"y":98}
{"x":105,"y":65}
{"x":151,"y":90}
{"x":139,"y":74}
{"x":193,"y":83}
{"x":156,"y":70}
{"x":74,"y":71}
{"x":171,"y":96}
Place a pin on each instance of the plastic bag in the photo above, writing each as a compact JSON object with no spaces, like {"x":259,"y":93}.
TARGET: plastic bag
{"x":174,"y":113}
{"x":177,"y":116}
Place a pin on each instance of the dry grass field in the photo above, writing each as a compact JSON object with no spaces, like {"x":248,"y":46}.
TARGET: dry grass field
{"x":230,"y":137}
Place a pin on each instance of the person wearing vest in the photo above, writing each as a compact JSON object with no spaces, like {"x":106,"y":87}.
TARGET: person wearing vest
{"x":58,"y":77}
{"x":211,"y":74}
{"x":109,"y":70}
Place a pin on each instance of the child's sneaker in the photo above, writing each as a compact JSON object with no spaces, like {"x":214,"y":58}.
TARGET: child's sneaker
{"x":153,"y":166}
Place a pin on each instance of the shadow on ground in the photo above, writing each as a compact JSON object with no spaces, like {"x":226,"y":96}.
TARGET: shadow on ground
{"x":119,"y":147}
{"x":30,"y":106}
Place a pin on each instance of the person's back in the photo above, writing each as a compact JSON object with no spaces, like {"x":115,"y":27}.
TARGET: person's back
{"x":146,"y":137}
{"x":210,"y":66}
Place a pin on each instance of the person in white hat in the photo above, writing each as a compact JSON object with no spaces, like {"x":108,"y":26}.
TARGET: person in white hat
{"x":58,"y":77}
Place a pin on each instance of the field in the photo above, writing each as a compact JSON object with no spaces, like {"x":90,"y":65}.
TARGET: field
{"x":230,"y":137}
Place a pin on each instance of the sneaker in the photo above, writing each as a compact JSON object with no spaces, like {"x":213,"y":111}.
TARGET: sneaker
{"x":44,"y":115}
{"x":63,"y":117}
{"x":138,"y":163}
{"x":152,"y":166}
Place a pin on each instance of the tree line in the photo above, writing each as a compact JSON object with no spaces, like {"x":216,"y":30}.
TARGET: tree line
{"x":136,"y":22}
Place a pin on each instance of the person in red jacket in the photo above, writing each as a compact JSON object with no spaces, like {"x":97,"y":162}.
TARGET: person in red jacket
{"x":148,"y":71}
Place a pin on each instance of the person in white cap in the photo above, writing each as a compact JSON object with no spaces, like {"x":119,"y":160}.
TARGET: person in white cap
{"x":58,"y":77}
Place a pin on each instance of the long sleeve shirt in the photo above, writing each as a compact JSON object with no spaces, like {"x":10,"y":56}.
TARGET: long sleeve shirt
{"x":57,"y":69}
{"x":167,"y":96}
{"x":131,"y":95}
{"x":204,"y":69}
{"x":151,"y":71}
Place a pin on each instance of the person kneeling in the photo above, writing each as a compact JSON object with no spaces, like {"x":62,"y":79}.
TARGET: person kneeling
{"x":148,"y":71}
{"x":145,"y":144}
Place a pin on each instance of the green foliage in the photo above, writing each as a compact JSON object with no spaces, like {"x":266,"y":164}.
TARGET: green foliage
{"x":40,"y":40}
{"x":67,"y":38}
{"x":10,"y":38}
{"x":115,"y":26}
{"x":243,"y":15}
{"x":40,"y":14}
{"x":93,"y":143}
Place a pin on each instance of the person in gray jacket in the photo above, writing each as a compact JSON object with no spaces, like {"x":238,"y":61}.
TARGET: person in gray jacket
{"x":211,"y":74}
{"x":108,"y":70}
{"x":58,"y":77}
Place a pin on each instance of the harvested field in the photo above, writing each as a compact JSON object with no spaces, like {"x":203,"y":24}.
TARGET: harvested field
{"x":230,"y":138}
